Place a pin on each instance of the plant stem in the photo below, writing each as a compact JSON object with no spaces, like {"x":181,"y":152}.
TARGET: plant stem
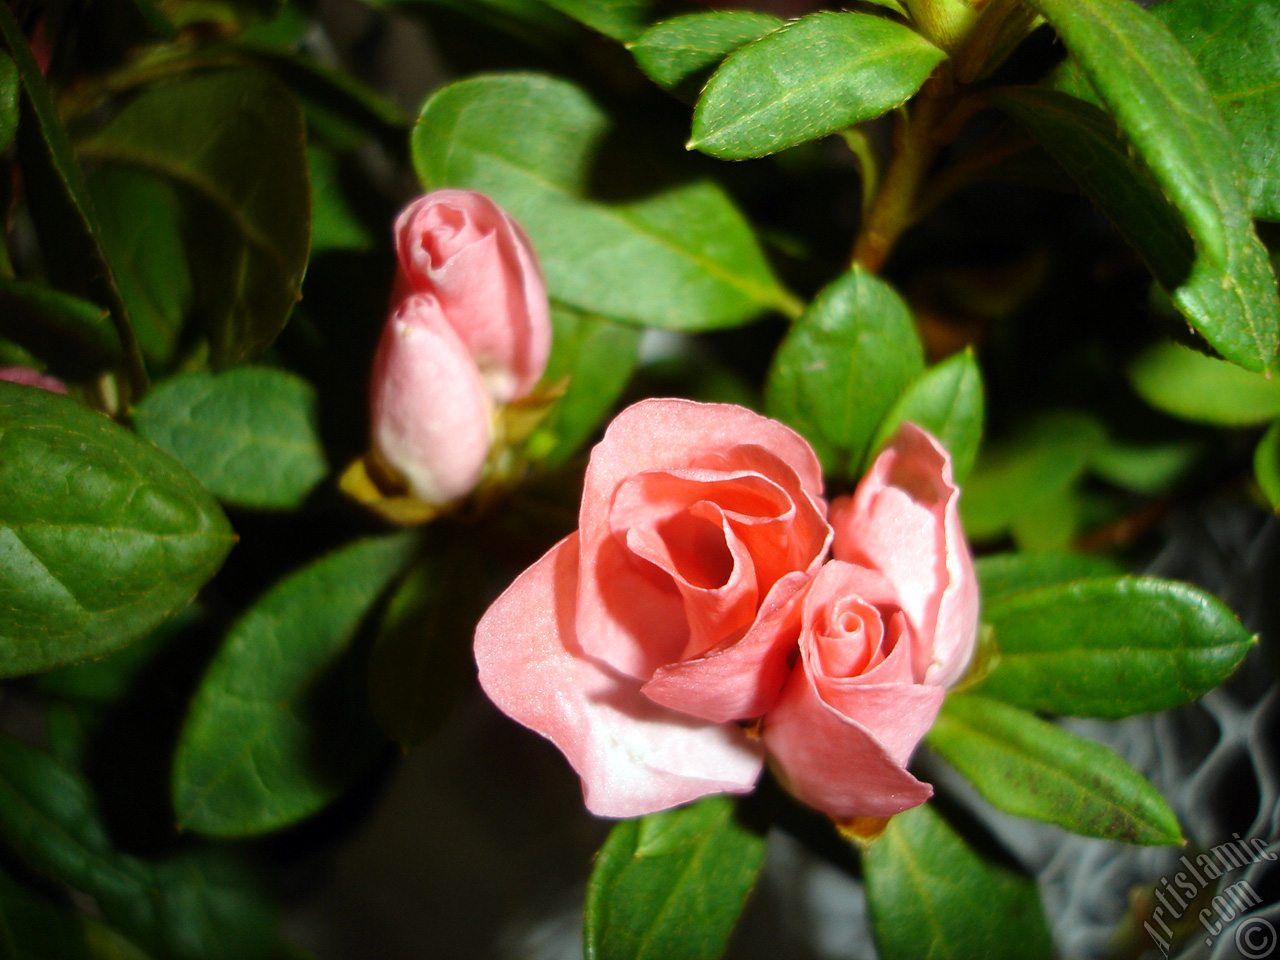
{"x":916,"y":145}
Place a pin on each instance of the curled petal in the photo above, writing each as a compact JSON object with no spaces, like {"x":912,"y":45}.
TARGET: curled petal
{"x":432,"y":416}
{"x":463,"y":248}
{"x":634,"y":756}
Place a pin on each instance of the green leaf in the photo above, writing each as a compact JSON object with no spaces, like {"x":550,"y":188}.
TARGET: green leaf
{"x":947,"y":400}
{"x":33,"y":928}
{"x":1236,"y":45}
{"x":1266,"y":465}
{"x":1111,"y":647}
{"x":192,"y":907}
{"x":843,"y":366}
{"x":597,"y":356}
{"x":197,"y":129}
{"x":680,"y":54}
{"x":932,"y":895}
{"x":1187,"y":384}
{"x":9,"y":89}
{"x":1030,"y":768}
{"x":140,"y":219}
{"x":421,"y":660}
{"x":1150,"y":84}
{"x":233,"y":14}
{"x":671,"y":884}
{"x":59,"y":202}
{"x":669,"y":250}
{"x":266,"y":741}
{"x":337,"y":225}
{"x":249,"y":434}
{"x":1003,"y":575}
{"x":1149,"y":468}
{"x":815,"y":76}
{"x":75,"y":336}
{"x":1017,"y":476}
{"x":621,"y":20}
{"x":102,"y":536}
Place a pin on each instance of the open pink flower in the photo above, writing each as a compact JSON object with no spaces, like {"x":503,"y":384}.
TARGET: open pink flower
{"x":634,"y":642}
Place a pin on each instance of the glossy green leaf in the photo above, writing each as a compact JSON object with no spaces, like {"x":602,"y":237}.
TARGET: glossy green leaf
{"x":671,"y":884}
{"x":620,"y":19}
{"x":1034,"y":466}
{"x":815,"y":76}
{"x":140,"y":221}
{"x":669,"y":248}
{"x":1030,"y":768}
{"x":1111,"y":647}
{"x":1003,"y":575}
{"x":947,"y":400}
{"x":1190,"y":385}
{"x":1149,"y":468}
{"x":597,"y":356}
{"x":251,"y":250}
{"x":680,"y":54}
{"x":58,"y":200}
{"x":102,"y":535}
{"x":843,"y":366}
{"x":1150,"y":84}
{"x":267,"y":741}
{"x":9,"y":90}
{"x":249,"y":434}
{"x":932,"y":895}
{"x":75,"y":336}
{"x":1266,"y":465}
{"x":421,"y":659}
{"x":1236,"y":45}
{"x":191,"y":907}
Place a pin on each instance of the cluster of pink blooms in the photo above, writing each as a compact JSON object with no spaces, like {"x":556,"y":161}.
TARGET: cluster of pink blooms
{"x":712,"y":612}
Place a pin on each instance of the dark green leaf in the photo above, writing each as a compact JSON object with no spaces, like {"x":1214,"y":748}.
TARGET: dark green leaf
{"x":1187,"y":384}
{"x":1019,"y":475}
{"x":76,"y":337}
{"x":266,"y":743}
{"x":103,"y":535}
{"x":669,"y":249}
{"x":815,"y":76}
{"x":249,"y":434}
{"x":620,"y":19}
{"x":1111,"y":647}
{"x":195,"y":907}
{"x":1150,"y":84}
{"x":33,"y":928}
{"x":141,"y":224}
{"x":1236,"y":45}
{"x":932,"y":895}
{"x":59,"y":201}
{"x":1005,"y":574}
{"x":421,"y":659}
{"x":337,"y":225}
{"x":679,"y":54}
{"x":597,"y":356}
{"x":671,"y":884}
{"x":197,"y":129}
{"x":9,"y":90}
{"x":947,"y":400}
{"x":1031,"y":768}
{"x":843,"y":366}
{"x":233,"y":14}
{"x":1266,"y":465}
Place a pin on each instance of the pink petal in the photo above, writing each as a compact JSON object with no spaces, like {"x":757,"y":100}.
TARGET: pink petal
{"x":634,"y":757}
{"x":669,"y":435}
{"x":834,"y":763}
{"x":904,"y":521}
{"x":432,"y":417}
{"x":32,"y":378}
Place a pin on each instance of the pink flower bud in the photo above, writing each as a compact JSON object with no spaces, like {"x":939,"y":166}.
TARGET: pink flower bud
{"x":432,"y":415}
{"x":32,"y":378}
{"x":461,"y":247}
